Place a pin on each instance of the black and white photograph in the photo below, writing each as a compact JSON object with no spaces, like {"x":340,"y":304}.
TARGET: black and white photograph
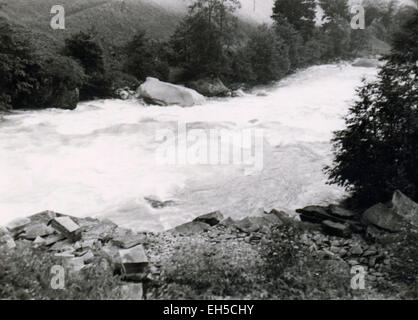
{"x":208,"y":150}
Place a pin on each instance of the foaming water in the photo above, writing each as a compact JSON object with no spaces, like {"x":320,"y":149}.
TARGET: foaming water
{"x":100,"y":159}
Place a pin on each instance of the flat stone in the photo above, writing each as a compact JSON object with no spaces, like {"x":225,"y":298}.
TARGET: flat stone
{"x":211,"y":219}
{"x":192,"y":228}
{"x":336,"y":229}
{"x":18,"y":224}
{"x":68,"y":227}
{"x":32,"y":231}
{"x":39,"y":241}
{"x":125,"y":238}
{"x":102,"y":230}
{"x":133,"y":260}
{"x":341,"y":212}
{"x":88,"y":256}
{"x":52,"y":239}
{"x":43,"y":217}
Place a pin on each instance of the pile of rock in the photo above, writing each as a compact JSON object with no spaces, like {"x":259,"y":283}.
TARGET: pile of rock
{"x":78,"y":242}
{"x":381,"y":218}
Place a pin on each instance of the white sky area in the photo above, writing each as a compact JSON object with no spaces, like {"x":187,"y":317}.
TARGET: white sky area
{"x":254,"y":10}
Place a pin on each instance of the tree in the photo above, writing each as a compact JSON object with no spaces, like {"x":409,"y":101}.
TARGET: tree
{"x":377,"y":152}
{"x":334,"y":9}
{"x":83,"y":48}
{"x":18,"y":67}
{"x":268,"y":55}
{"x":202,"y":41}
{"x":145,"y":58}
{"x":299,"y":13}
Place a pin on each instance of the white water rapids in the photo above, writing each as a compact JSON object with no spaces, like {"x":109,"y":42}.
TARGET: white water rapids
{"x":100,"y":159}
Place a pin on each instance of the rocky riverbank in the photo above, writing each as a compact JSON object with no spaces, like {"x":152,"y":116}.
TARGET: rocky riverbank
{"x":214,"y":257}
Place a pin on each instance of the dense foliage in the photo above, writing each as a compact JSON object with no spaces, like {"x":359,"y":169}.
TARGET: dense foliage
{"x":210,"y":42}
{"x":377,"y":151}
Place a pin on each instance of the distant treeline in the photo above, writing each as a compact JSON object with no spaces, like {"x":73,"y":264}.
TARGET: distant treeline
{"x":207,"y":43}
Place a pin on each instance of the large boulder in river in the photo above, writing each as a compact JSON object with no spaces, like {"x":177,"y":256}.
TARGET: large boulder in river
{"x":163,"y":93}
{"x":210,"y":87}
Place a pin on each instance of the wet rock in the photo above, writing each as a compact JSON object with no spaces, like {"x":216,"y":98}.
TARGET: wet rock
{"x":43,"y":217}
{"x":157,"y":204}
{"x":383,"y":217}
{"x":192,"y":228}
{"x":336,"y":229}
{"x":211,"y":219}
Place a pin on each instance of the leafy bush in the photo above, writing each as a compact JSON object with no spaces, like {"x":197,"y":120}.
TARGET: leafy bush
{"x":25,"y":273}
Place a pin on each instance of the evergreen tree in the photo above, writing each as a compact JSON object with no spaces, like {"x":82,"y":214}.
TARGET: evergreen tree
{"x":378,"y":150}
{"x":299,"y":13}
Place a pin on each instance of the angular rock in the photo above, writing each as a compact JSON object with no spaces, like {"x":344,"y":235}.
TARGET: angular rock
{"x":17,"y":224}
{"x":126,"y":239}
{"x":157,"y":204}
{"x":67,"y":227}
{"x":341,"y":212}
{"x":405,"y":207}
{"x":336,"y":229}
{"x":101,"y":230}
{"x":210,"y":87}
{"x":356,"y":250}
{"x":133,"y":260}
{"x":317,"y":214}
{"x":43,"y":217}
{"x":32,"y":231}
{"x":52,"y":239}
{"x":254,"y":224}
{"x":192,"y":228}
{"x":87,"y":257}
{"x":383,"y":217}
{"x":228,"y":222}
{"x":211,"y":219}
{"x":7,"y":242}
{"x":3,"y":231}
{"x":164,"y":94}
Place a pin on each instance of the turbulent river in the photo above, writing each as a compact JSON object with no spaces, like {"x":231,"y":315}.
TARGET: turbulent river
{"x":100,"y":159}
